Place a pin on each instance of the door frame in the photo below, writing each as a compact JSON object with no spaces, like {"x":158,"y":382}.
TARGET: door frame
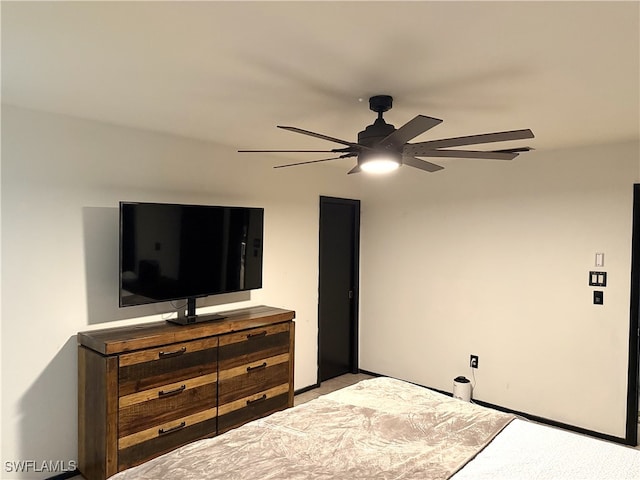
{"x":634,"y":326}
{"x":354,"y":320}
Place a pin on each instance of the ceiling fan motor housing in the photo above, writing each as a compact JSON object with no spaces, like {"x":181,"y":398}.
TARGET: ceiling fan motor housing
{"x":374,"y":133}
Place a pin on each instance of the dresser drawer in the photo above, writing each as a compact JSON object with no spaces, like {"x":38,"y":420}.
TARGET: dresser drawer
{"x":153,"y":442}
{"x":249,"y":408}
{"x":157,"y":367}
{"x":249,"y":346}
{"x":253,"y":378}
{"x":149,"y":408}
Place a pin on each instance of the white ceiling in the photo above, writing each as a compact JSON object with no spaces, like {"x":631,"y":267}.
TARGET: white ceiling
{"x":229,"y":72}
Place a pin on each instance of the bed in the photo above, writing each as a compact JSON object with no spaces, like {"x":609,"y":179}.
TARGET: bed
{"x":385,"y":428}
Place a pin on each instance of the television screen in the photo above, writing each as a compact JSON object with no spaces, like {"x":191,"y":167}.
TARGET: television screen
{"x":172,"y":252}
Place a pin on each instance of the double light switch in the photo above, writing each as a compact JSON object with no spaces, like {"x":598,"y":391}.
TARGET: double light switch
{"x":598,"y":279}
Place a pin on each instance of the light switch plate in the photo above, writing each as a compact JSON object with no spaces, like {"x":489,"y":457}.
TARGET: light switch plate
{"x":598,"y":297}
{"x":597,"y":279}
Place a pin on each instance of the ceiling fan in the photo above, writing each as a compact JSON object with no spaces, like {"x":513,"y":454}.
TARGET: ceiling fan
{"x":382,"y":148}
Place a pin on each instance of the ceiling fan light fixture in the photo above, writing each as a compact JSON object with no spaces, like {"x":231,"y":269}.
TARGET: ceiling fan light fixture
{"x":380,"y":163}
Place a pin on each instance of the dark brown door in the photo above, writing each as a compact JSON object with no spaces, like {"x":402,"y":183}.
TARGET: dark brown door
{"x":338,"y":287}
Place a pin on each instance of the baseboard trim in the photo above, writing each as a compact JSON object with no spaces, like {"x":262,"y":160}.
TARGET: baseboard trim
{"x":306,"y":389}
{"x":554,"y":423}
{"x":65,"y":475}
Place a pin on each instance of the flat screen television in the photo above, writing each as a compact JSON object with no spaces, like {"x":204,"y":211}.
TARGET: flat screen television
{"x":173,"y":252}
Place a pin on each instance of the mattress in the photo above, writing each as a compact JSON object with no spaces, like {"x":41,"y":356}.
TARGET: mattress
{"x":528,"y":451}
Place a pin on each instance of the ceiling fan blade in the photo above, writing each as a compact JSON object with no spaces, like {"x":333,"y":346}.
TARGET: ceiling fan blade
{"x":470,"y":140}
{"x":355,"y":169}
{"x":315,"y":161}
{"x":466,"y":154}
{"x":319,"y":135}
{"x":421,"y":164}
{"x":408,"y":131}
{"x":291,"y":151}
{"x":514,"y":150}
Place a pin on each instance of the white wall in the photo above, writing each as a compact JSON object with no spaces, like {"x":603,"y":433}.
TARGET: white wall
{"x":492,"y":259}
{"x":62,"y":179}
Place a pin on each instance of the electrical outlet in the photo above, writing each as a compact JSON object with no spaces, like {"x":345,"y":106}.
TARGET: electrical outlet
{"x":473,"y":361}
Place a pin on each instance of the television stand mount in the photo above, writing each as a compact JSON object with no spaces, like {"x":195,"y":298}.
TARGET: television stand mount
{"x":189,"y":317}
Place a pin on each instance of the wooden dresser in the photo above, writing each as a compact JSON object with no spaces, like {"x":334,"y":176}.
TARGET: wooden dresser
{"x":144,"y":390}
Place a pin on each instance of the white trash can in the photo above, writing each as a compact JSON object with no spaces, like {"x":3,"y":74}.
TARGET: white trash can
{"x":462,"y":388}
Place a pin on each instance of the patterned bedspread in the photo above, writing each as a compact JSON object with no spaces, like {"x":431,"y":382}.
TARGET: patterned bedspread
{"x":377,"y":429}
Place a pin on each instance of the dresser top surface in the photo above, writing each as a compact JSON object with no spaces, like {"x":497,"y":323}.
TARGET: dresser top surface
{"x":116,"y":340}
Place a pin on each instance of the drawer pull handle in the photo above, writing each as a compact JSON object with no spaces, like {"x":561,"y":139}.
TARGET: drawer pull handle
{"x":257,"y":400}
{"x":255,"y":335}
{"x":175,"y":353}
{"x":176,"y":391}
{"x":162,"y":431}
{"x":257,"y":367}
